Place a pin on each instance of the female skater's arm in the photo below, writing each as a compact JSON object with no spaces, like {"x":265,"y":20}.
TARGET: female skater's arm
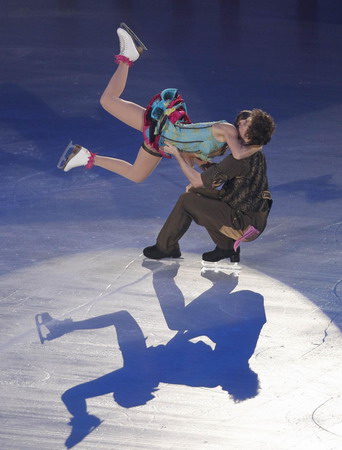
{"x":192,"y":175}
{"x":226,"y":132}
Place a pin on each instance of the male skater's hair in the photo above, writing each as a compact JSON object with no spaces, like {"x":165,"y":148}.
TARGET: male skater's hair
{"x":261,"y":128}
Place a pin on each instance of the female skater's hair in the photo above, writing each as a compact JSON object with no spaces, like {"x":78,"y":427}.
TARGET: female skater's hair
{"x":261,"y":128}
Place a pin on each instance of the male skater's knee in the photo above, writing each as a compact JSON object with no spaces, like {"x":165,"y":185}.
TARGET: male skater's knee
{"x":183,"y":198}
{"x":182,"y":202}
{"x":186,"y":199}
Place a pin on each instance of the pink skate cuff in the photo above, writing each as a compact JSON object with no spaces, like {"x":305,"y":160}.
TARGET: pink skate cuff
{"x":124,"y":59}
{"x":90,"y":163}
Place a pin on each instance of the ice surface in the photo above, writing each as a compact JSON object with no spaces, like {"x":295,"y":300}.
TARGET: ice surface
{"x":162,"y":355}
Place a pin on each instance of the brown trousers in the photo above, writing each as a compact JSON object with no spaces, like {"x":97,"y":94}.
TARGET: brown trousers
{"x":217,"y":217}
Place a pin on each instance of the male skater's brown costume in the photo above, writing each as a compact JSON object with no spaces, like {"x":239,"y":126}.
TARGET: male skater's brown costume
{"x":240,"y":205}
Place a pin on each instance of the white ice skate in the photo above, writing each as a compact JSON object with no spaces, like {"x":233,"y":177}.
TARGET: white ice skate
{"x":131,"y":46}
{"x":74,"y":156}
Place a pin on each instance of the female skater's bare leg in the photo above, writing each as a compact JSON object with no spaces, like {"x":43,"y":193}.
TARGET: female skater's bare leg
{"x":143,"y":166}
{"x":129,"y":113}
{"x":133,"y":115}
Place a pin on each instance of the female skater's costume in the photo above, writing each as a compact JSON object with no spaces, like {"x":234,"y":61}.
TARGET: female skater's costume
{"x":166,"y":119}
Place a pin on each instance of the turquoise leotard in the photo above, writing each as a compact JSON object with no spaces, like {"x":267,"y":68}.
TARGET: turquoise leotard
{"x":193,"y":138}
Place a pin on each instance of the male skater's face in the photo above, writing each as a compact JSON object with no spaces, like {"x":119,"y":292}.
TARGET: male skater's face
{"x":243,"y":126}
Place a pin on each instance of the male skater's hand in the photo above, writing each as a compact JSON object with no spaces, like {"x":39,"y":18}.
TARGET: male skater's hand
{"x":169,"y":148}
{"x":192,"y":175}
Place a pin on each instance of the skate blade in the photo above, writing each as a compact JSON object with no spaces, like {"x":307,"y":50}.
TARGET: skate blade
{"x":219,"y":265}
{"x":68,"y":154}
{"x":39,"y":324}
{"x":64,"y":159}
{"x":134,"y":36}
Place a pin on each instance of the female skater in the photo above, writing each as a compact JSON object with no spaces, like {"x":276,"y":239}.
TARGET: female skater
{"x":165,"y":120}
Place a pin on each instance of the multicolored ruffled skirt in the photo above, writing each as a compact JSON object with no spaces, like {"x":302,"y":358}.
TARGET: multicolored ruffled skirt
{"x":163,"y":107}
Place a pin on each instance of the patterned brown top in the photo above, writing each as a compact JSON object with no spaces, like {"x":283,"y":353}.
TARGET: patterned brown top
{"x":244,"y":184}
